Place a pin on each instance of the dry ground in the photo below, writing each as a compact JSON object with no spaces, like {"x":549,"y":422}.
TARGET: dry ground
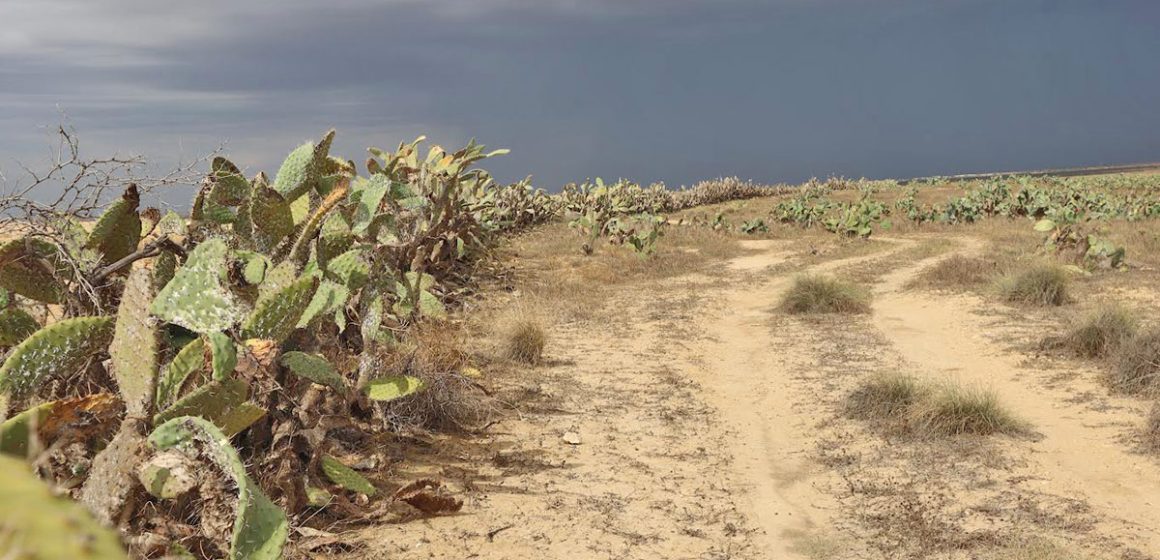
{"x":677,"y":413}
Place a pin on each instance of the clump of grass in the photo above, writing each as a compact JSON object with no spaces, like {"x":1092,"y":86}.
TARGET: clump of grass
{"x":1152,"y":430}
{"x":954,"y":410}
{"x":450,"y":401}
{"x":926,"y":410}
{"x":820,"y":294}
{"x":885,"y":396}
{"x":1039,"y":284}
{"x":524,"y":341}
{"x":1100,"y":332}
{"x":1137,"y":364}
{"x":955,"y":272}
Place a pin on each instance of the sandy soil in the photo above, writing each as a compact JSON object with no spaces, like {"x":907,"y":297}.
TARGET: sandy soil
{"x":704,"y":423}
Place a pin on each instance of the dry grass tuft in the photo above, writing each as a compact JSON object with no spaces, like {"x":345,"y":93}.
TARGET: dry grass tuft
{"x":954,"y":410}
{"x":956,"y":272}
{"x":921,"y":409}
{"x":1152,"y":430}
{"x":820,"y":294}
{"x":1038,"y":284}
{"x":1137,"y":364}
{"x":1099,"y":332}
{"x":885,"y":396}
{"x":524,"y":341}
{"x":449,"y":401}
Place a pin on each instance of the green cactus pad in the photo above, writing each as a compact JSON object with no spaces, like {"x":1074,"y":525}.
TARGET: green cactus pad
{"x":15,"y":326}
{"x":346,"y":477}
{"x":45,"y":526}
{"x":315,"y":368}
{"x":260,"y":527}
{"x":329,"y":298}
{"x":303,"y":168}
{"x":224,"y":355}
{"x":368,"y":197}
{"x":58,"y":349}
{"x":168,"y":475}
{"x":118,"y":231}
{"x":276,"y":315}
{"x":135,"y":345}
{"x":212,"y":401}
{"x":390,"y":388}
{"x":270,"y":217}
{"x":349,"y":269}
{"x":27,"y":268}
{"x":189,"y":360}
{"x":318,"y":497}
{"x":171,"y":224}
{"x":335,"y":238}
{"x":229,"y":188}
{"x":240,"y":417}
{"x":197,"y":298}
{"x":164,"y":268}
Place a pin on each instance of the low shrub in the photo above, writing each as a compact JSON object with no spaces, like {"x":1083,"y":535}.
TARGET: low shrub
{"x":1039,"y":284}
{"x":820,"y":294}
{"x":1137,"y":363}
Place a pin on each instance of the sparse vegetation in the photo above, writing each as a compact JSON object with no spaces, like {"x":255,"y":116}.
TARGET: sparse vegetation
{"x":525,"y":340}
{"x":956,"y":272}
{"x":1038,"y":284}
{"x":886,"y":396}
{"x":952,"y":409}
{"x":1136,"y":367}
{"x":1099,"y":332}
{"x":947,"y":409}
{"x":1152,"y":429}
{"x":822,"y":294}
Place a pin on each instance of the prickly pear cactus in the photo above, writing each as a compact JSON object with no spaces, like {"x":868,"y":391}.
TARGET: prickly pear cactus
{"x":197,"y":298}
{"x":346,"y":477}
{"x":211,"y":401}
{"x":276,"y":315}
{"x":136,"y":342}
{"x":391,"y":388}
{"x":164,"y":267}
{"x":118,"y":231}
{"x":189,"y":360}
{"x":27,"y":268}
{"x":329,"y":298}
{"x":15,"y":326}
{"x":303,"y":168}
{"x":349,"y":269}
{"x":270,"y":216}
{"x":223,"y":354}
{"x":58,"y":349}
{"x":315,"y":368}
{"x":260,"y":527}
{"x":45,"y":526}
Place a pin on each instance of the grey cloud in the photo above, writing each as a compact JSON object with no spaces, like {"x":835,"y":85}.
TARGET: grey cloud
{"x":673,"y":90}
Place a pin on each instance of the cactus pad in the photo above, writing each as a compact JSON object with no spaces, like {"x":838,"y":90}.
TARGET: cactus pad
{"x":260,"y":527}
{"x":189,"y":360}
{"x":135,"y":344}
{"x":390,"y":388}
{"x":276,"y":315}
{"x":303,"y":168}
{"x":58,"y":349}
{"x":211,"y":401}
{"x":196,"y":298}
{"x":223,"y":355}
{"x":118,"y":231}
{"x":315,"y":368}
{"x":46,"y":526}
{"x":15,"y":326}
{"x":270,"y":216}
{"x":27,"y":267}
{"x":346,"y":477}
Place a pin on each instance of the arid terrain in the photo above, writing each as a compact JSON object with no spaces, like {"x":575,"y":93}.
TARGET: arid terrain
{"x":423,"y":363}
{"x":679,"y":413}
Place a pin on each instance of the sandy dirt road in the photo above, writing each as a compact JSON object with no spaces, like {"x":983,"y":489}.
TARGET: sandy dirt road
{"x":703,"y":423}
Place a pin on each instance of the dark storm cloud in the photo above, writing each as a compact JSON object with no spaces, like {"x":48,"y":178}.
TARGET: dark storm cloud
{"x":675,"y":90}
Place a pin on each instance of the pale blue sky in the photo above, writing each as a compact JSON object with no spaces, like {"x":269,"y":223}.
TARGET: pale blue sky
{"x":672,"y":90}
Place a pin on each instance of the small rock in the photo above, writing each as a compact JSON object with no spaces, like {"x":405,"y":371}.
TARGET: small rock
{"x":572,"y":438}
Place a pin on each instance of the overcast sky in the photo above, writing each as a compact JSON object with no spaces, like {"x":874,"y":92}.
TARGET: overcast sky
{"x":653,"y":90}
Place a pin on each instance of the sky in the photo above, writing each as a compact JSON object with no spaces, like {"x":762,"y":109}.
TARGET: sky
{"x":652,"y":90}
